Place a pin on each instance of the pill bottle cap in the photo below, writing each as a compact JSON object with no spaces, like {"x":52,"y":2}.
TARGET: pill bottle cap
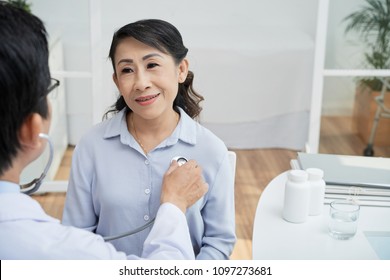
{"x":315,"y":173}
{"x":297,"y":175}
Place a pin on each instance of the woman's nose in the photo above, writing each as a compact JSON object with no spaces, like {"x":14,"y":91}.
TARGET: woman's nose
{"x":142,"y":81}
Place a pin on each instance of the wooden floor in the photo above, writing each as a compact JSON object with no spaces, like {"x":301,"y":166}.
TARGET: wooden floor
{"x":255,"y":169}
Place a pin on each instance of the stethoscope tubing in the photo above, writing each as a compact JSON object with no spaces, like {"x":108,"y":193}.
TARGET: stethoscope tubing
{"x":141,"y":228}
{"x":180,"y":160}
{"x":36,"y":183}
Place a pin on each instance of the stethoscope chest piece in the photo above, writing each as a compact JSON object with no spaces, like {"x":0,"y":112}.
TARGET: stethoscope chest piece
{"x":180,"y":160}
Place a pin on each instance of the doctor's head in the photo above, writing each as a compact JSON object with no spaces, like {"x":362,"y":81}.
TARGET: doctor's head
{"x":151,"y":53}
{"x":24,"y":80}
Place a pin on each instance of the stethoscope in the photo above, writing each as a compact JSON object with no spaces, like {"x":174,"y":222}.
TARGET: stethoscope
{"x":34,"y":185}
{"x":180,"y":160}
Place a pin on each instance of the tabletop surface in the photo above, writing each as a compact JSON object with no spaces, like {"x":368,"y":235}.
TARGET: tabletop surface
{"x":275,"y":238}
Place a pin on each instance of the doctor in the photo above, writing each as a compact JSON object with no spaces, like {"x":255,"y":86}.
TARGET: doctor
{"x":26,"y":232}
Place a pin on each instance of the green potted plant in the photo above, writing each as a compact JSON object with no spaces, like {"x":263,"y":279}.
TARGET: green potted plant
{"x":372,"y":24}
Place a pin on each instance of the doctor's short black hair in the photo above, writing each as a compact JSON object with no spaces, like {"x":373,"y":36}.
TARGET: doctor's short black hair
{"x":24,"y":76}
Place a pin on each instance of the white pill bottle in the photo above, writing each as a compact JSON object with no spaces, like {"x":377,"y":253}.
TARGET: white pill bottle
{"x":296,"y":197}
{"x":317,"y":190}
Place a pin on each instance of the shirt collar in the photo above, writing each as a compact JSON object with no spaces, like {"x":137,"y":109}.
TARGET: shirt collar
{"x":9,"y":187}
{"x":114,"y":124}
{"x":185,"y":130}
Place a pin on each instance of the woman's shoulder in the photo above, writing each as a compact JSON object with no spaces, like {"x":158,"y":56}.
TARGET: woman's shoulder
{"x":202,"y":137}
{"x":98,"y":132}
{"x":208,"y":139}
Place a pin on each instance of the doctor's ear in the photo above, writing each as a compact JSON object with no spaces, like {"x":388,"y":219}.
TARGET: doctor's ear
{"x":183,"y":70}
{"x":29,"y":131}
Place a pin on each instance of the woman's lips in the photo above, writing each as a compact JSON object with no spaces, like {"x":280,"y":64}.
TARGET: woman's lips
{"x":147,"y":99}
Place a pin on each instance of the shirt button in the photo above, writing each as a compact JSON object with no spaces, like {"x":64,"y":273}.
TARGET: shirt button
{"x":146,"y":218}
{"x":146,"y":162}
{"x":147,"y":191}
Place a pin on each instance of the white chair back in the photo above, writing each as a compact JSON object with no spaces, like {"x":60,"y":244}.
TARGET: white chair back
{"x":233,"y":159}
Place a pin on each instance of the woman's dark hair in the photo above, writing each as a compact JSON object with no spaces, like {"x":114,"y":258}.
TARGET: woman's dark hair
{"x":166,"y":38}
{"x":24,"y":76}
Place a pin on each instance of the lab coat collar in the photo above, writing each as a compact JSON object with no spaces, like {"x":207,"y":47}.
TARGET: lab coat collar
{"x":9,"y":187}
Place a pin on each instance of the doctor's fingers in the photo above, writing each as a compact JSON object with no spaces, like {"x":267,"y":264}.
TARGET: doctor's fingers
{"x":198,"y":187}
{"x":195,"y":192}
{"x":202,"y":187}
{"x":178,"y":178}
{"x":192,"y":167}
{"x":172,"y":167}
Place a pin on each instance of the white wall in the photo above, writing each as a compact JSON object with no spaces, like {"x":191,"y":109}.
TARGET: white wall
{"x":71,"y":18}
{"x":212,"y":28}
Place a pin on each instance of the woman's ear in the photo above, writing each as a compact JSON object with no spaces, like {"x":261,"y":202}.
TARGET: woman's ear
{"x":115,"y":79}
{"x":183,"y":70}
{"x":29,"y":131}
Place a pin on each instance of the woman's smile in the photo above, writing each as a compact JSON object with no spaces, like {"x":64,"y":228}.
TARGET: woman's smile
{"x":146,"y":100}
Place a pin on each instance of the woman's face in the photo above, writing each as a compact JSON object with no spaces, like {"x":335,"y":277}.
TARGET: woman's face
{"x":147,"y":78}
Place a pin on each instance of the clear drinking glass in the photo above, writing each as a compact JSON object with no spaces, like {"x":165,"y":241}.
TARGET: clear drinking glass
{"x":344,"y":216}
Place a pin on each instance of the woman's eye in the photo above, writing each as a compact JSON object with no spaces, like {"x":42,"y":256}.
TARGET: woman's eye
{"x":152,"y":65}
{"x":127,"y":70}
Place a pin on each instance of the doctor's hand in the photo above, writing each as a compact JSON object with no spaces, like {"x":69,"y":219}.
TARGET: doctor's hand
{"x":183,"y":185}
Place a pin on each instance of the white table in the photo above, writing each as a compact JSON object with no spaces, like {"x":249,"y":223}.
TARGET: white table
{"x":274,"y":238}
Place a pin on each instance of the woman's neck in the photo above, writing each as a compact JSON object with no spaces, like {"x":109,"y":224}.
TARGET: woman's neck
{"x":149,"y":133}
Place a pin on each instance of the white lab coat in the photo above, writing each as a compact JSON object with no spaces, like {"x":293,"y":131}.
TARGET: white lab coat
{"x":27,"y":232}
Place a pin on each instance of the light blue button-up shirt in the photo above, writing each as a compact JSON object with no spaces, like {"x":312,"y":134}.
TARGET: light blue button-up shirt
{"x":27,"y":232}
{"x":114,"y":187}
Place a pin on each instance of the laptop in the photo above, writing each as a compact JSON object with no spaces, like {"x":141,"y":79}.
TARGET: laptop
{"x":349,"y":170}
